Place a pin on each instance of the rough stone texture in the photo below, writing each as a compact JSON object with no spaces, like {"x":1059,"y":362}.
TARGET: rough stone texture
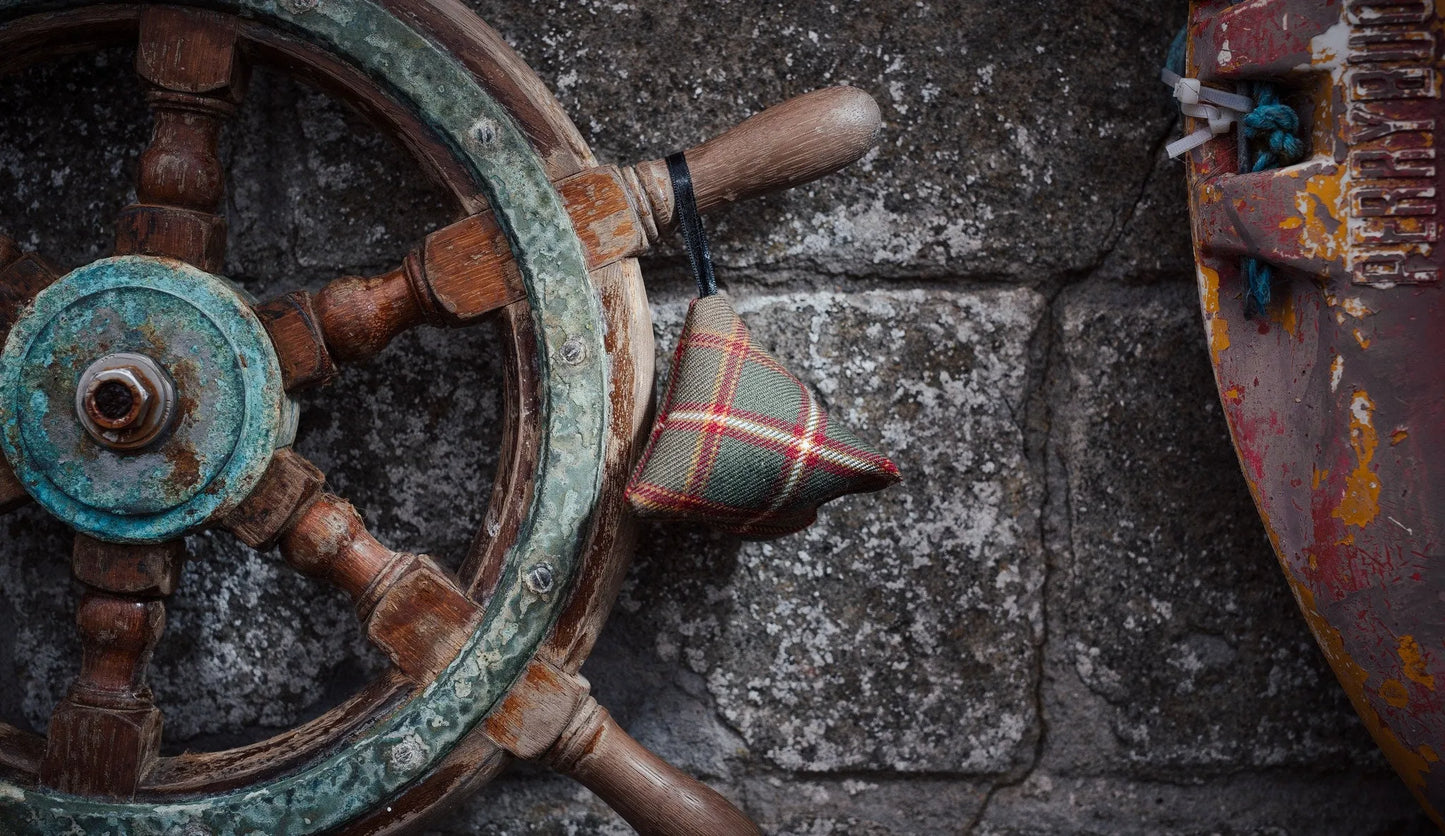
{"x":993,"y":143}
{"x":1065,"y":621}
{"x":897,"y":633}
{"x":1193,"y":614}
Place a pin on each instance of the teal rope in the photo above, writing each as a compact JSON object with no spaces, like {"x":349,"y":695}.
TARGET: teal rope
{"x":1276,"y":126}
{"x":1177,"y":50}
{"x":1273,"y":128}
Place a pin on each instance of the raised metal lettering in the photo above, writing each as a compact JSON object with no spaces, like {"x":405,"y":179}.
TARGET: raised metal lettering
{"x":1393,"y":83}
{"x":1369,"y":125}
{"x":1393,"y":268}
{"x":1392,"y":163}
{"x":1389,"y":231}
{"x":1393,"y":201}
{"x":1388,"y":12}
{"x":1382,"y":46}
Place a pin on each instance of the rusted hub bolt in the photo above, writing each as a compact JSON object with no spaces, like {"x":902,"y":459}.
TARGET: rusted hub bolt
{"x":125,"y":401}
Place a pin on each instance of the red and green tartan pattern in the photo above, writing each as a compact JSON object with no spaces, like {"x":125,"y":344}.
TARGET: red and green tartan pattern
{"x":740,"y":443}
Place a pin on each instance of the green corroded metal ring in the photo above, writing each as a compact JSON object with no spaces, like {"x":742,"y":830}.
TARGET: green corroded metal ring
{"x":231,"y":412}
{"x":370,"y":768}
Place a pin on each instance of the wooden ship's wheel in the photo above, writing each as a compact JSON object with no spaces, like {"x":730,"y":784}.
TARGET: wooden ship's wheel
{"x":143,"y":397}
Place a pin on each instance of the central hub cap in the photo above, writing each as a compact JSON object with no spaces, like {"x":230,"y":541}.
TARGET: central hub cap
{"x":140,"y":398}
{"x":125,"y":401}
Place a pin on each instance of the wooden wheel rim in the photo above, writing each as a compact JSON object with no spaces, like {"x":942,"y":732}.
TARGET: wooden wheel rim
{"x":573,"y":433}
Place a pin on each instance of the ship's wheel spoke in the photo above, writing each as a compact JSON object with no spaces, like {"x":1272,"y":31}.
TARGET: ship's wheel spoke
{"x":105,"y":734}
{"x":187,"y":60}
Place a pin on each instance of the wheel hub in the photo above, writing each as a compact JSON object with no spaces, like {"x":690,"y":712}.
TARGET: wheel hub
{"x":125,"y":401}
{"x":141,"y":397}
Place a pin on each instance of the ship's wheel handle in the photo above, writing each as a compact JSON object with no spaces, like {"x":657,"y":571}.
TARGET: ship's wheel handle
{"x":787,"y":145}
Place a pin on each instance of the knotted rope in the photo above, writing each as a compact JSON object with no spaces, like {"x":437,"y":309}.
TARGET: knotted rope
{"x":1272,"y":129}
{"x":1269,"y":127}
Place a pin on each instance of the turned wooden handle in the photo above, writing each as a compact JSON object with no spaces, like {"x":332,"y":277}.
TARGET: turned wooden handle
{"x":652,"y":795}
{"x":786,"y":145}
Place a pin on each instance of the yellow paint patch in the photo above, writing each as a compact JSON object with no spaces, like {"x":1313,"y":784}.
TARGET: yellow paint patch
{"x":1360,"y":503}
{"x":1412,"y":765}
{"x":1356,"y":308}
{"x":1322,"y":206}
{"x":1360,"y":338}
{"x":1288,"y":319}
{"x":1428,"y":753}
{"x":1292,"y":222}
{"x":1394,"y":692}
{"x":1398,"y":436}
{"x":1214,"y":325}
{"x":1414,"y":659}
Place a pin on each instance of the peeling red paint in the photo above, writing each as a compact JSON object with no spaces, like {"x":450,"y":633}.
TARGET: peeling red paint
{"x":1348,"y":351}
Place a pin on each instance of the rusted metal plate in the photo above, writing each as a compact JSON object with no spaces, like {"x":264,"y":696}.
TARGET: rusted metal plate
{"x":1335,"y":397}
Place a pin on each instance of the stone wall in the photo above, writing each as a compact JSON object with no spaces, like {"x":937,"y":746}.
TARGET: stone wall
{"x":1067,"y":620}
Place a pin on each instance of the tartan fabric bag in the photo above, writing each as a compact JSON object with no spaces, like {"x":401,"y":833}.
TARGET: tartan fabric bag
{"x":739,"y":442}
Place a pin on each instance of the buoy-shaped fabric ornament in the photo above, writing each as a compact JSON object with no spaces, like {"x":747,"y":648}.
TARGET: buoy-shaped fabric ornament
{"x":740,"y":443}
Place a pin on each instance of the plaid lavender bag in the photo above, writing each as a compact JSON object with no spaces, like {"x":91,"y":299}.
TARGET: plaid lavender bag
{"x":739,"y":441}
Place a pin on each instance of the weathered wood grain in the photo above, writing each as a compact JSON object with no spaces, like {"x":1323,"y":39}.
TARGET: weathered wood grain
{"x":25,"y":275}
{"x":12,"y":493}
{"x":189,"y":59}
{"x":462,"y":274}
{"x":9,"y":250}
{"x":604,"y":214}
{"x":105,"y":734}
{"x":144,"y":571}
{"x":295,"y":331}
{"x":786,"y":145}
{"x":289,"y":485}
{"x":653,"y":796}
{"x":469,"y":271}
{"x":410,"y":607}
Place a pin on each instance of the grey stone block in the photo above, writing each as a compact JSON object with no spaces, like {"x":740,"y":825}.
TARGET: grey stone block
{"x":867,"y":805}
{"x":72,"y":133}
{"x":1167,"y":603}
{"x":1018,"y":135}
{"x":1256,"y":804}
{"x":899,"y":632}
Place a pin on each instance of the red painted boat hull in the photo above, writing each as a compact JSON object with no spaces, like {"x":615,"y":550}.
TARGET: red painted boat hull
{"x":1336,"y":396}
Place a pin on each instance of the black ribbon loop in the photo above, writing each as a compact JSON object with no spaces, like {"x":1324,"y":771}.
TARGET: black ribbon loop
{"x":689,"y":222}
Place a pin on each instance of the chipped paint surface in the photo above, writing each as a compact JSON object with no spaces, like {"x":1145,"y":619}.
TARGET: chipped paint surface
{"x":1216,"y":327}
{"x":404,"y":745}
{"x":1321,"y":207}
{"x":232,"y":412}
{"x":1356,"y":525}
{"x":1360,"y":503}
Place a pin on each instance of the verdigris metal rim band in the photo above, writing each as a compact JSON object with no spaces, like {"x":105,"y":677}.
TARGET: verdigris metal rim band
{"x":405,"y":745}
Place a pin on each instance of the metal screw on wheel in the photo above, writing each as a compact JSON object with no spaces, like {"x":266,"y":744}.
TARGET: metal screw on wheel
{"x":144,"y":397}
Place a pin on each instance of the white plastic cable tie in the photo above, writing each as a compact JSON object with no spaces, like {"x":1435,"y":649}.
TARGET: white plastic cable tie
{"x":1187,"y":90}
{"x":1192,"y":91}
{"x":1201,"y":111}
{"x":1185,"y":144}
{"x":1219,"y":109}
{"x":1220,"y":120}
{"x":1233,"y":101}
